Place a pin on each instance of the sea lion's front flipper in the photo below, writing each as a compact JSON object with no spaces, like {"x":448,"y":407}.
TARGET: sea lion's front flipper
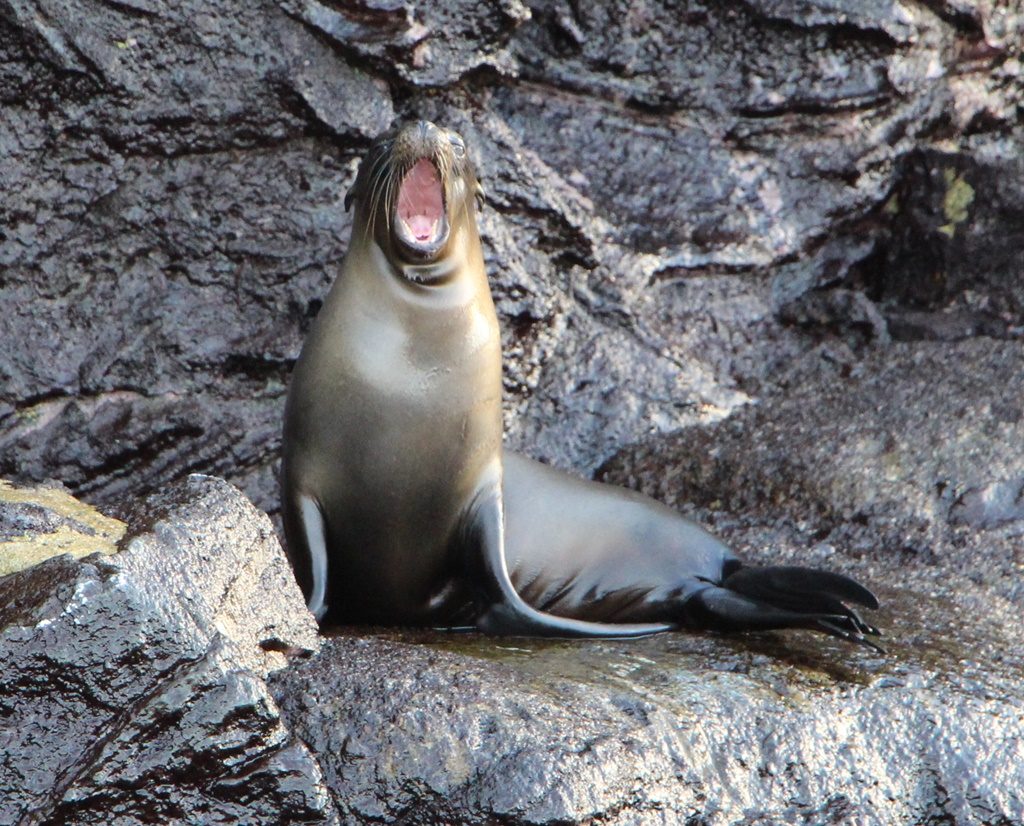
{"x":307,"y":552}
{"x":762,"y":599}
{"x":503,"y":610}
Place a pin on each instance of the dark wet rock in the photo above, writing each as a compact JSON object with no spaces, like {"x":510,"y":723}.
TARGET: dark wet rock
{"x":948,"y":265}
{"x":434,"y":44}
{"x":148,"y":685}
{"x":132,"y":685}
{"x":949,"y":324}
{"x":670,"y":729}
{"x":846,"y":314}
{"x":990,"y":505}
{"x":912,"y":446}
{"x":661,"y":182}
{"x":774,"y":245}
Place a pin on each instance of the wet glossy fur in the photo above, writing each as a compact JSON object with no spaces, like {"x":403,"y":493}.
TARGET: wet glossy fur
{"x":393,"y":437}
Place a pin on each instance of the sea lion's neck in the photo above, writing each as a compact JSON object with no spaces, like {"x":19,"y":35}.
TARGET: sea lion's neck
{"x":442,"y":271}
{"x":457,"y":275}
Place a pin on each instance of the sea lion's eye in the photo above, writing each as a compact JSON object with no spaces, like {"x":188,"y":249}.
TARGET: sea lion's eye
{"x":458,"y":147}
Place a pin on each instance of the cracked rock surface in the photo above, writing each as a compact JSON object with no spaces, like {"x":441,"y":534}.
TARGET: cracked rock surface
{"x":132,"y":685}
{"x":672,"y":729}
{"x":759,"y":258}
{"x":678,"y":199}
{"x":180,"y":679}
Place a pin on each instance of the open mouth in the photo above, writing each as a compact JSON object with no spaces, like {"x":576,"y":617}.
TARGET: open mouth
{"x":422,"y":225}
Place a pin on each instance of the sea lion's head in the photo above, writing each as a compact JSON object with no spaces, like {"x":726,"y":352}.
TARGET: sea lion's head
{"x":414,"y":193}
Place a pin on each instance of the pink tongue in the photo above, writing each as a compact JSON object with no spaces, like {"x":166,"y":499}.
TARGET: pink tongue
{"x":420,"y":201}
{"x":422,"y":227}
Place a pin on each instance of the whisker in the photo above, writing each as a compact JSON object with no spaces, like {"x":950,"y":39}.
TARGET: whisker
{"x":377,"y":176}
{"x":389,"y":184}
{"x":376,"y":173}
{"x":397,"y":175}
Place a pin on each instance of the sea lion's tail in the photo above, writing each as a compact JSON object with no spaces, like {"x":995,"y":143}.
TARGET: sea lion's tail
{"x":761,"y":599}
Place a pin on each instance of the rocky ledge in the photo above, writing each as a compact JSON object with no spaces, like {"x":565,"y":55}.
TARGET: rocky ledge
{"x":132,"y":683}
{"x":178,"y":678}
{"x":761,"y":259}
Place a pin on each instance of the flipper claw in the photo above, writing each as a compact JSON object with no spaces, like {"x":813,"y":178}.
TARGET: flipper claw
{"x":761,"y":599}
{"x":850,"y":636}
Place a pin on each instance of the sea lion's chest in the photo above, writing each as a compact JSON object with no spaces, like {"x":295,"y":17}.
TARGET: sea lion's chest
{"x":409,"y":395}
{"x":415,"y":350}
{"x":409,"y":398}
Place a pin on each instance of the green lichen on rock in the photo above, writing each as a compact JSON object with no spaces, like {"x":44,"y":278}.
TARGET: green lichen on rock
{"x":958,"y":198}
{"x":67,"y":527}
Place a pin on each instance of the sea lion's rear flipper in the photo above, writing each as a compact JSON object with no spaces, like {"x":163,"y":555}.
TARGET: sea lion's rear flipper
{"x":503,"y":611}
{"x":762,"y":599}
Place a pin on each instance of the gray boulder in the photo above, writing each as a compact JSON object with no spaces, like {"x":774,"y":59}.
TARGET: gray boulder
{"x":674,"y":729}
{"x":180,"y":678}
{"x":132,"y":685}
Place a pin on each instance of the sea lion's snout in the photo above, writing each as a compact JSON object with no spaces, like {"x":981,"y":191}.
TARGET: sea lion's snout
{"x":415,"y":189}
{"x":421,"y":139}
{"x":424,"y":153}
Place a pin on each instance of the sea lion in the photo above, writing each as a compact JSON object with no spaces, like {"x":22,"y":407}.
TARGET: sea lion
{"x":401,"y":507}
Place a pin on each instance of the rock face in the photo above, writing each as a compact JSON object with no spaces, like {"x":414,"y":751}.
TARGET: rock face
{"x":132,"y":686}
{"x":908,"y":449}
{"x":761,"y":259}
{"x":679,"y":198}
